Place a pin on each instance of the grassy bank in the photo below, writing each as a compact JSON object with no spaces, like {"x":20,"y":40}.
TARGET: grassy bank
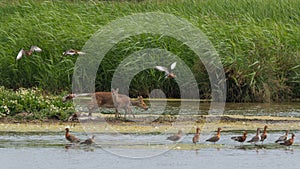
{"x":258,"y":43}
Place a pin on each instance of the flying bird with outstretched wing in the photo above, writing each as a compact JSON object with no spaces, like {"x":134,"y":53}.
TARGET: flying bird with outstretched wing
{"x":168,"y":71}
{"x":28,"y":52}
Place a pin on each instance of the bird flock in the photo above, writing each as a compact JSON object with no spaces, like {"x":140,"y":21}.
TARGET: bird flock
{"x":32,"y":49}
{"x":259,"y":137}
{"x":71,"y":52}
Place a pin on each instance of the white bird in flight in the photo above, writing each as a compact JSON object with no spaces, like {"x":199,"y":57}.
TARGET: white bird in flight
{"x":28,"y":52}
{"x":168,"y":71}
{"x":73,"y":52}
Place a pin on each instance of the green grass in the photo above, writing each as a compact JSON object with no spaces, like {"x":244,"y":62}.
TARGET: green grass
{"x":258,"y":43}
{"x":31,"y":104}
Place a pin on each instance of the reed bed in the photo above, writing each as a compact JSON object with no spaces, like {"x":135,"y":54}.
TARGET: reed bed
{"x":257,"y":41}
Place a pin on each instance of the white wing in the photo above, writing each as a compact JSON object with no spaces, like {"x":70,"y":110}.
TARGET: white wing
{"x":20,"y":54}
{"x":80,"y":53}
{"x":69,"y":52}
{"x":173,"y":65}
{"x":161,"y":68}
{"x":35,"y":48}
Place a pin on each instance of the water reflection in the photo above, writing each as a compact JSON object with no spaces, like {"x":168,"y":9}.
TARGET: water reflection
{"x":285,"y":109}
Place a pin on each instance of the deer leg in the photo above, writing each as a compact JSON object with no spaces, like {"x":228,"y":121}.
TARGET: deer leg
{"x":125,"y":113}
{"x":130,"y":110}
{"x":117,"y":114}
{"x":90,"y":109}
{"x":92,"y":106}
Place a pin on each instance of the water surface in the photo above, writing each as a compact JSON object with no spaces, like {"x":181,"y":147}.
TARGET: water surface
{"x":50,"y":150}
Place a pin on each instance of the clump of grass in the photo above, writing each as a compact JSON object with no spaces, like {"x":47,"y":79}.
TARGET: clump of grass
{"x":258,"y":43}
{"x":33,"y":104}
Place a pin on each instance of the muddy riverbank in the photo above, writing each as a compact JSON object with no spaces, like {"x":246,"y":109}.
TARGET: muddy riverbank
{"x":160,"y":124}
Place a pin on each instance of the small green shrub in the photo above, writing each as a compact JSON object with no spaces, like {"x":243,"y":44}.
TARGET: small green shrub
{"x":33,"y":104}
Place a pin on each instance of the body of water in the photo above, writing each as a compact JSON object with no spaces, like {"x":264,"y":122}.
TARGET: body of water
{"x":50,"y":150}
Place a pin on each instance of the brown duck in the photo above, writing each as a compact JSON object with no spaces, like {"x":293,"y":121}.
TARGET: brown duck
{"x":240,"y":139}
{"x":215,"y":138}
{"x":289,"y":142}
{"x":256,"y":138}
{"x":196,"y":136}
{"x":71,"y":137}
{"x":283,"y":138}
{"x":175,"y":137}
{"x":28,"y":52}
{"x":264,"y":135}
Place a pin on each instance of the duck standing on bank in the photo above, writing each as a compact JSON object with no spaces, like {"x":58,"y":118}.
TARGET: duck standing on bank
{"x":175,"y":137}
{"x":215,"y":138}
{"x":240,"y":139}
{"x":196,"y":136}
{"x":282,"y":138}
{"x":256,"y":138}
{"x":264,"y":135}
{"x":290,"y":141}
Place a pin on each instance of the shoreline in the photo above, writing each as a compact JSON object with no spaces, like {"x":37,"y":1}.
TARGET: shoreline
{"x":137,"y":125}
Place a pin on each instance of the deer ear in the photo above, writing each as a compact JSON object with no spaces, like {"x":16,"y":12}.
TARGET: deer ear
{"x":117,"y":89}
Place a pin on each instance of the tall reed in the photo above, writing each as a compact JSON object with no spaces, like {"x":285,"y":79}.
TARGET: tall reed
{"x":258,"y":43}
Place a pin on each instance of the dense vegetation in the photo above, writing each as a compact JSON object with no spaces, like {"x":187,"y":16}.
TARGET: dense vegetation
{"x":29,"y":104}
{"x":258,"y":43}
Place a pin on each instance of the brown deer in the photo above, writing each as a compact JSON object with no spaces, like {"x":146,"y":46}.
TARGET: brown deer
{"x":121,"y":101}
{"x":104,"y":100}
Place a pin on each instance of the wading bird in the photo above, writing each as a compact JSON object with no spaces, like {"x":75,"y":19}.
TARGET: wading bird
{"x":256,"y":138}
{"x":289,"y":142}
{"x":168,"y":71}
{"x":196,"y":136}
{"x":240,"y":139}
{"x":215,"y":138}
{"x":264,"y":135}
{"x":28,"y":52}
{"x":282,"y":138}
{"x":175,"y":137}
{"x":71,"y":137}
